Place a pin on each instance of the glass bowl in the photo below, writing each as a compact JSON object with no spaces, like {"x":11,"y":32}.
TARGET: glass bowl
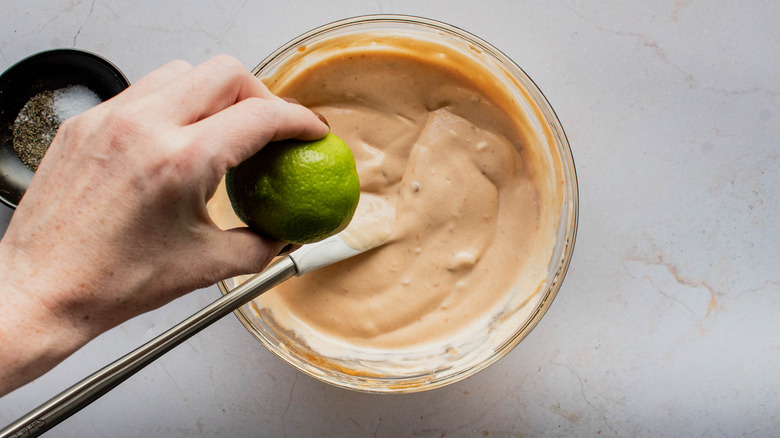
{"x":441,"y":363}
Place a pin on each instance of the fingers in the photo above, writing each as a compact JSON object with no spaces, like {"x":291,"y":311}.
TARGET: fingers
{"x":157,"y":80}
{"x":236,"y":133}
{"x":228,"y":113}
{"x":182,"y":94}
{"x":209,"y":88}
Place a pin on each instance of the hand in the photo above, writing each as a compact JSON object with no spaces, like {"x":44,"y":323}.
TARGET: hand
{"x":114,"y":222}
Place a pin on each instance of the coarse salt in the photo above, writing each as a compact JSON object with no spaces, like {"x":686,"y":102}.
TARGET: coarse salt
{"x":73,"y":100}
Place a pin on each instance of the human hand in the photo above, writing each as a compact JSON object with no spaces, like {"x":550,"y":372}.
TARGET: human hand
{"x":114,"y":222}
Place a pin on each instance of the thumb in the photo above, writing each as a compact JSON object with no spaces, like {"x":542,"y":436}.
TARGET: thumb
{"x":240,"y":251}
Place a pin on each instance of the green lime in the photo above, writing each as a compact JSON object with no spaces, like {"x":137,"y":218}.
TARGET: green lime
{"x":296,"y":191}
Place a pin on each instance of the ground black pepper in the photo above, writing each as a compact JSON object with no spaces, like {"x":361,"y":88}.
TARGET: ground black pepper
{"x":35,"y":128}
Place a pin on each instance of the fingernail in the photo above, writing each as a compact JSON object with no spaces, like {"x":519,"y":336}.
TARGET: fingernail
{"x":322,"y":118}
{"x":319,"y":116}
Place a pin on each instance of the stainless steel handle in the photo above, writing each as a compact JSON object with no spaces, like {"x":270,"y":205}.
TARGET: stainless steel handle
{"x":78,"y":396}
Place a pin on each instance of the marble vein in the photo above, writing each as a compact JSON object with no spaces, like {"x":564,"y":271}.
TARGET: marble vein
{"x":84,"y":22}
{"x":660,"y":53}
{"x":290,"y":398}
{"x":680,"y":279}
{"x":587,"y":400}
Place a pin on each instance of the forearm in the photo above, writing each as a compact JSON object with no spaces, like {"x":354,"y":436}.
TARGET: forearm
{"x":34,"y":337}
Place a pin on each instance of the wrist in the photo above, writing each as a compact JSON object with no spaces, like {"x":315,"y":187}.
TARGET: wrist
{"x":35,"y":334}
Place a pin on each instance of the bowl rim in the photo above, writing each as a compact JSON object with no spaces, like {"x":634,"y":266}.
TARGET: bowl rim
{"x":70,"y":52}
{"x":569,"y":207}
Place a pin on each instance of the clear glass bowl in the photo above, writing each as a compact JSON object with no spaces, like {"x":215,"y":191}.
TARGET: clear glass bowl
{"x":437,"y":365}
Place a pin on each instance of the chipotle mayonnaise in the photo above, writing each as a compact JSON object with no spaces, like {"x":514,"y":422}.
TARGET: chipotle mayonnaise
{"x":475,"y":192}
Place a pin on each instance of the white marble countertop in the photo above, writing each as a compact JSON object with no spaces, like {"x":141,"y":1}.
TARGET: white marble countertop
{"x":667,"y":323}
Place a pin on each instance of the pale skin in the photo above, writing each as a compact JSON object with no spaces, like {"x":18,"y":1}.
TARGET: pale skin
{"x":114,"y":223}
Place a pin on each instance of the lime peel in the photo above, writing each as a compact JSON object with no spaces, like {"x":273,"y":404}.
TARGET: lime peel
{"x":296,"y":191}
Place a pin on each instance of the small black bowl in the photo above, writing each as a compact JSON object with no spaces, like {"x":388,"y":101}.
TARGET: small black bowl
{"x":49,"y":70}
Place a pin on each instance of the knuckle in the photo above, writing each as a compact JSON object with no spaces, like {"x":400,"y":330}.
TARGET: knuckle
{"x":230,"y":68}
{"x":178,"y":65}
{"x":261,"y":110}
{"x":228,"y":62}
{"x":172,"y":162}
{"x":123,"y":125}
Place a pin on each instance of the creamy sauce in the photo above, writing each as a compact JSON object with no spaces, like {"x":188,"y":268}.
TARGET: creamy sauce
{"x":475,"y":194}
